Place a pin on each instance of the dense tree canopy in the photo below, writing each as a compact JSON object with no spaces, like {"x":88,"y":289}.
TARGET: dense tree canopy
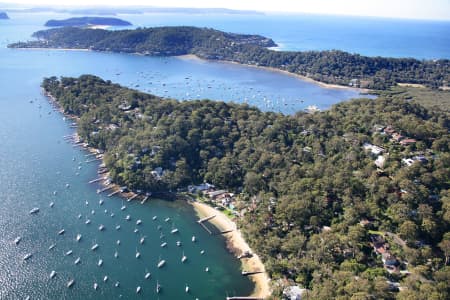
{"x":306,"y":184}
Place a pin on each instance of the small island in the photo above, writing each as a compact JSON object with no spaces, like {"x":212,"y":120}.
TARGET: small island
{"x":3,"y":15}
{"x":87,"y":22}
{"x":330,"y":67}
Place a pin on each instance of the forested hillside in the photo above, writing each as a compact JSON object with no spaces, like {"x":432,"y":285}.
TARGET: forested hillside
{"x":350,"y":203}
{"x":332,"y":66}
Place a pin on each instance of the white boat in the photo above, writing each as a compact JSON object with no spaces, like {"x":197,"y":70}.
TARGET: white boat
{"x":202,"y":252}
{"x":51,"y":247}
{"x":112,"y":215}
{"x":95,"y":285}
{"x":167,"y":219}
{"x":78,"y":238}
{"x":158,"y":287}
{"x":123,"y":207}
{"x":88,"y":221}
{"x":79,"y":216}
{"x":100,"y":262}
{"x":92,"y":212}
{"x":105,"y":279}
{"x":61,"y":232}
{"x":117,"y":284}
{"x":52,"y":204}
{"x":17,"y":240}
{"x":77,"y":261}
{"x":142,"y":240}
{"x":136,"y":230}
{"x":116,"y":254}
{"x":138,"y":290}
{"x":117,"y":227}
{"x":139,"y":222}
{"x":178,"y":243}
{"x":70,"y":283}
{"x":100,"y":202}
{"x":175,"y":230}
{"x":163,"y":244}
{"x":206,"y":269}
{"x":147,"y":275}
{"x":118,"y":242}
{"x":87,"y":203}
{"x":138,"y":254}
{"x":52,"y":274}
{"x":34,"y":210}
{"x":161,"y":263}
{"x":94,"y":247}
{"x":154,"y":218}
{"x":193,"y":239}
{"x":101,"y":227}
{"x":69,"y":252}
{"x":186,"y":289}
{"x":67,"y":185}
{"x":128,"y":218}
{"x":183,"y":258}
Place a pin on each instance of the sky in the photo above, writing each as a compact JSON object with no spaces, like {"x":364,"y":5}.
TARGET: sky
{"x":411,"y":9}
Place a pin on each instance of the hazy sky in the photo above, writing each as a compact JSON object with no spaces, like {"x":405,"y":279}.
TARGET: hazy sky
{"x":418,"y":9}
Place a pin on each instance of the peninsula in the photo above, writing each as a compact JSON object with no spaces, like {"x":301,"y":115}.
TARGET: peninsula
{"x":87,"y":22}
{"x":350,"y":201}
{"x":3,"y":16}
{"x":332,"y":67}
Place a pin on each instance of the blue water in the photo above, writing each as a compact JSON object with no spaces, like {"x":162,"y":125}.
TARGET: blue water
{"x":35,"y":160}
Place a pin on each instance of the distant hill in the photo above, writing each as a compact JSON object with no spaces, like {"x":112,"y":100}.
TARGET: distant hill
{"x":3,"y":16}
{"x":87,"y":21}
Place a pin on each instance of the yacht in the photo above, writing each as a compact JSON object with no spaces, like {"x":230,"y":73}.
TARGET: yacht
{"x":51,"y":247}
{"x":163,"y":244}
{"x":186,"y":289}
{"x":79,"y":216}
{"x":175,"y":230}
{"x":117,"y":227}
{"x":139,"y":222}
{"x":52,"y":204}
{"x":34,"y":210}
{"x":202,"y":252}
{"x":138,"y":254}
{"x":158,"y":287}
{"x":100,"y":262}
{"x":67,"y":185}
{"x":118,"y":242}
{"x":128,"y":218}
{"x":53,"y":274}
{"x":105,"y":279}
{"x":95,"y":285}
{"x":142,"y":240}
{"x":27,"y":256}
{"x":123,"y":207}
{"x":70,"y":283}
{"x":94,"y":247}
{"x":138,"y":290}
{"x":17,"y":240}
{"x":167,"y":219}
{"x":61,"y":232}
{"x":78,"y":238}
{"x":112,"y":215}
{"x":117,"y":284}
{"x":87,"y":203}
{"x":101,"y":227}
{"x":92,"y":212}
{"x":87,"y":221}
{"x":154,"y":218}
{"x":136,"y":230}
{"x":100,"y":202}
{"x":116,"y":254}
{"x":147,"y":275}
{"x":161,"y":263}
{"x":183,"y":258}
{"x":206,"y":269}
{"x":178,"y":243}
{"x":69,"y":252}
{"x":193,"y":239}
{"x":77,"y":261}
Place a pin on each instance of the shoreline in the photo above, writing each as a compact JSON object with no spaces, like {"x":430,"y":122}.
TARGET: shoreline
{"x":236,"y":244}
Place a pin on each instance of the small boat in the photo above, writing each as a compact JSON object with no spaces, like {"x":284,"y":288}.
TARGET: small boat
{"x":87,"y":203}
{"x":159,"y":227}
{"x":79,"y":216}
{"x":95,"y":285}
{"x":105,"y":279}
{"x":52,"y":274}
{"x":161,"y":236}
{"x":139,"y":222}
{"x":69,"y":252}
{"x":138,"y":290}
{"x":112,"y":215}
{"x":161,"y":263}
{"x":163,"y":244}
{"x":138,"y":254}
{"x":17,"y":240}
{"x":77,"y":261}
{"x":128,"y":218}
{"x":116,"y":254}
{"x":52,"y":204}
{"x":147,"y":275}
{"x":186,"y":289}
{"x":178,"y":243}
{"x":154,"y":218}
{"x":123,"y":207}
{"x":55,"y":192}
{"x":34,"y":210}
{"x":94,"y":247}
{"x":51,"y":247}
{"x":88,"y":221}
{"x":117,"y":227}
{"x":27,"y":256}
{"x":117,"y":284}
{"x":158,"y":287}
{"x":136,"y":230}
{"x":118,"y":242}
{"x":167,"y":219}
{"x":101,"y":227}
{"x":67,"y":185}
{"x":202,"y":252}
{"x":61,"y":232}
{"x":100,"y":262}
{"x":183,"y":258}
{"x":206,"y":269}
{"x":175,"y":230}
{"x":70,"y":283}
{"x":78,"y":238}
{"x":92,"y":212}
{"x":193,"y":238}
{"x":142,"y":240}
{"x":100,"y":202}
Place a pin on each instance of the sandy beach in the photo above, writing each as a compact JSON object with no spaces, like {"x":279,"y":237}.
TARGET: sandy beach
{"x":238,"y":245}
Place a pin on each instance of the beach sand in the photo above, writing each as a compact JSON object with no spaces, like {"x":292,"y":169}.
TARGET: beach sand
{"x":238,"y":245}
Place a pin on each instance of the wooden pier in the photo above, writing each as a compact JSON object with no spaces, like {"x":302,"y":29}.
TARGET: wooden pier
{"x":108,"y":187}
{"x":206,"y":219}
{"x":113,"y":193}
{"x":244,"y":298}
{"x":132,"y":197}
{"x":144,"y":200}
{"x":97,"y":179}
{"x":92,"y":160}
{"x":204,"y":227}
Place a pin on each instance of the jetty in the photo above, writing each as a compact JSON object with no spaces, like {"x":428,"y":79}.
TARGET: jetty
{"x":108,"y":187}
{"x":244,"y":298}
{"x":248,"y":273}
{"x":204,"y":227}
{"x":132,"y":197}
{"x":205,"y":219}
{"x":113,"y":193}
{"x":97,"y":179}
{"x":144,"y":200}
